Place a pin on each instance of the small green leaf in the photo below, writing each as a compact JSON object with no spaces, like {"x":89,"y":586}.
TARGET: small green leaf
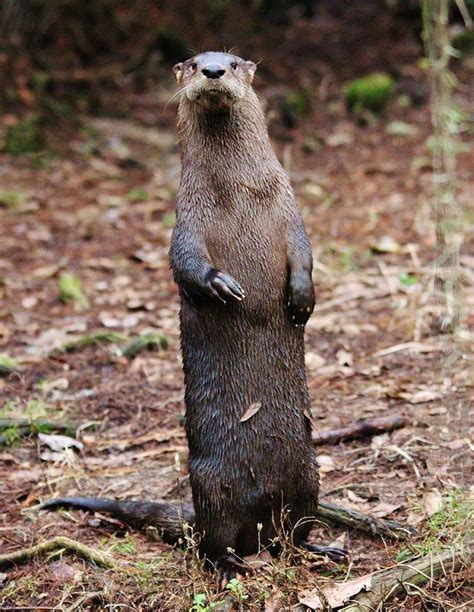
{"x":138,"y":195}
{"x":149,"y":341}
{"x":370,"y":92}
{"x":70,"y":290}
{"x":401,"y":128}
{"x":91,"y":339}
{"x":12,"y":199}
{"x":169,"y":220}
{"x":8,"y":365}
{"x":404,"y":555}
{"x":407,"y":279}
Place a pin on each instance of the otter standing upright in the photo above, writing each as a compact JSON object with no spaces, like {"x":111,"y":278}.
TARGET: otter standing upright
{"x":242,"y":260}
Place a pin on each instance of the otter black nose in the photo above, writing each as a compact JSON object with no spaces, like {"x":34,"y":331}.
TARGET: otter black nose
{"x":213,"y":71}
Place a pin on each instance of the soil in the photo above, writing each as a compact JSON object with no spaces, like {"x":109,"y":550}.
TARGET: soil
{"x":100,"y":205}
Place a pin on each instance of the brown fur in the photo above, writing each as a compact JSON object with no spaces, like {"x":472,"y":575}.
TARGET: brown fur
{"x":242,"y":261}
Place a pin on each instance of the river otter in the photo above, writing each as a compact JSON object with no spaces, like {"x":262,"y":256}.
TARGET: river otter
{"x":242,"y":261}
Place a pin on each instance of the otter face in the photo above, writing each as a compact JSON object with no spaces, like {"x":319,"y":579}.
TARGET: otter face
{"x":215,"y":79}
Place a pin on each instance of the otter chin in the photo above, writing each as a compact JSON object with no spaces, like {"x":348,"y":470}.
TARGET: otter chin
{"x":215,"y":78}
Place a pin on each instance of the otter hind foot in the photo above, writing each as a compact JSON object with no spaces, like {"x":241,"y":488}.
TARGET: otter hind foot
{"x":338,"y":555}
{"x":229,"y":567}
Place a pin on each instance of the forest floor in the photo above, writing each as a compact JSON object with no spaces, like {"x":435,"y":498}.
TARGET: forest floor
{"x":101,"y":207}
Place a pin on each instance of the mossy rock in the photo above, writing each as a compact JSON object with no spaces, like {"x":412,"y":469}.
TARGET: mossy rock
{"x":370,"y":92}
{"x":464,"y":43}
{"x":24,"y":137}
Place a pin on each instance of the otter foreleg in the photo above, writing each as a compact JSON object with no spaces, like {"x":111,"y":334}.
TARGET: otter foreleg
{"x":300,"y":265}
{"x":193,"y":270}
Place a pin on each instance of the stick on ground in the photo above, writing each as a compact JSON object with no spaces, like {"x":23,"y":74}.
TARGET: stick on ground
{"x":55,"y":544}
{"x":363,"y":522}
{"x":390,"y":583}
{"x":360,"y":429}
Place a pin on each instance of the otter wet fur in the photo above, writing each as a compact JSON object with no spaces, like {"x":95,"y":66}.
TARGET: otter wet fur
{"x":242,"y":261}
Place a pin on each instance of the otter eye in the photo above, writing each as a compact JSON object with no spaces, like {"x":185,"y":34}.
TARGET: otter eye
{"x":234,"y":65}
{"x":194,"y":66}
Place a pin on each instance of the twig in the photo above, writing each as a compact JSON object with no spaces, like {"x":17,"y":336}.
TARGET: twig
{"x":369,"y":524}
{"x":391,"y":582}
{"x":55,"y":544}
{"x":360,"y":429}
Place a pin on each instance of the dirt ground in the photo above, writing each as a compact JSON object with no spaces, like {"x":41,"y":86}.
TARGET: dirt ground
{"x":99,"y":204}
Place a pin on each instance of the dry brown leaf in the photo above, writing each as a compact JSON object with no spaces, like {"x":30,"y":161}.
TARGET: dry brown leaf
{"x":57,"y":442}
{"x":251,"y":410}
{"x":432,"y":502}
{"x":336,"y":595}
{"x":344,"y":358}
{"x":314,"y":361}
{"x":274,"y":603}
{"x":421,"y":397}
{"x":326,"y":464}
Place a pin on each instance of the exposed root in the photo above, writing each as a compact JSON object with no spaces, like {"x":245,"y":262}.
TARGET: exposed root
{"x":363,"y":522}
{"x":57,"y":544}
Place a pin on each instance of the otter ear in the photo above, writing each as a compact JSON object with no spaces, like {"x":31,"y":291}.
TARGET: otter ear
{"x":178,"y":71}
{"x":251,"y":68}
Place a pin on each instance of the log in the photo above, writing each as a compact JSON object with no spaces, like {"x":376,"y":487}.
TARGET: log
{"x":55,"y":544}
{"x":360,"y":429}
{"x":363,"y":522}
{"x":392,"y":582}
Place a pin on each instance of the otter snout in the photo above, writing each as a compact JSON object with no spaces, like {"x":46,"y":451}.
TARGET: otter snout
{"x":213,"y":71}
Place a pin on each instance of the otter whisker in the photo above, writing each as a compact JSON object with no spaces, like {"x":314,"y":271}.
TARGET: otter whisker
{"x":177,"y":94}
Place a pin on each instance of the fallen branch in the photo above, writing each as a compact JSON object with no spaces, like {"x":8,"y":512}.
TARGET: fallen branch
{"x":363,"y":522}
{"x":55,"y":545}
{"x":389,"y":583}
{"x":360,"y":429}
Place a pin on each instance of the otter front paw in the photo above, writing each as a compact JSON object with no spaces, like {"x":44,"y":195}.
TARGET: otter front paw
{"x":301,"y":299}
{"x":223,"y":287}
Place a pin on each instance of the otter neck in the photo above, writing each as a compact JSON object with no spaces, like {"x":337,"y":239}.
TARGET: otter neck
{"x":235,"y":132}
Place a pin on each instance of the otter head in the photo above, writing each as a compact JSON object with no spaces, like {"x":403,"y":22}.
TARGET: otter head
{"x":214,"y":80}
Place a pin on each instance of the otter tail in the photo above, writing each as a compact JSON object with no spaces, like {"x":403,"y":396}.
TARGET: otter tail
{"x":167,"y":518}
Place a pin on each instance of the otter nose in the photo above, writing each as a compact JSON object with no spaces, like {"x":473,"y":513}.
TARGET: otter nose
{"x":213,"y":71}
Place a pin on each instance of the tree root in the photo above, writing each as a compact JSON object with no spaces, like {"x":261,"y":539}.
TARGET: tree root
{"x":392,"y":582}
{"x":56,"y":544}
{"x":363,"y":522}
{"x":360,"y":429}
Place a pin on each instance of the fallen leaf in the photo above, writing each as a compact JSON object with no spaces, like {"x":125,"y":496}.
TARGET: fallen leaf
{"x":251,"y":410}
{"x":336,"y":595}
{"x":57,"y":442}
{"x":421,"y":397}
{"x":432,"y":502}
{"x":344,"y":358}
{"x":383,"y":509}
{"x":314,"y":361}
{"x":385,"y":245}
{"x":326,"y":464}
{"x":274,"y":602}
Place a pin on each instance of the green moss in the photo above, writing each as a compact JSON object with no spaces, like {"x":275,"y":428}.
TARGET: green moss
{"x":70,"y":290}
{"x":150,"y":341}
{"x":8,"y":365}
{"x":370,"y":92}
{"x":24,"y":137}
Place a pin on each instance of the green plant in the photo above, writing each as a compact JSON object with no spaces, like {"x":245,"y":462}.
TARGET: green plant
{"x":24,"y":137}
{"x":200,"y":603}
{"x":370,"y":92}
{"x":236,"y":588}
{"x":8,"y":365}
{"x":70,"y":290}
{"x":11,"y":435}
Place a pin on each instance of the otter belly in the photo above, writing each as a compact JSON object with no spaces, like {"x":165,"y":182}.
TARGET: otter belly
{"x":243,"y":472}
